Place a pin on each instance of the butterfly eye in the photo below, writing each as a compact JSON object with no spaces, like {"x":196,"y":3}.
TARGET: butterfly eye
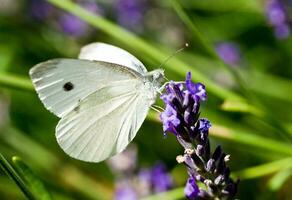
{"x":68,"y":86}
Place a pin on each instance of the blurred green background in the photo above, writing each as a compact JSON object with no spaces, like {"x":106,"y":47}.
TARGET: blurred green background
{"x":234,"y":49}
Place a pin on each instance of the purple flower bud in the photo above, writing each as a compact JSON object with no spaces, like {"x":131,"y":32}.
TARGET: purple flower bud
{"x":169,"y":119}
{"x":210,"y":165}
{"x":219,"y":180}
{"x":191,"y":189}
{"x":200,"y":150}
{"x":196,"y":89}
{"x":189,"y":162}
{"x":204,"y":125}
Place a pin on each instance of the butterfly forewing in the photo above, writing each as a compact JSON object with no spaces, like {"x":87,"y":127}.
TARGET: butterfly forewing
{"x":63,"y":83}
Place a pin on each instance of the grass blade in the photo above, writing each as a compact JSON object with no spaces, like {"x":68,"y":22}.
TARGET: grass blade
{"x":33,"y":182}
{"x":265,"y":169}
{"x":15,"y":81}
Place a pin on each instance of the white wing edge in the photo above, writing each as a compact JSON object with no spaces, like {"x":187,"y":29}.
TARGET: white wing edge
{"x":108,"y":53}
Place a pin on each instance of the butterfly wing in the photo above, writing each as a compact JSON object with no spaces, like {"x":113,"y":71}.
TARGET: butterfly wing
{"x":63,"y":83}
{"x":109,"y":53}
{"x":105,"y":123}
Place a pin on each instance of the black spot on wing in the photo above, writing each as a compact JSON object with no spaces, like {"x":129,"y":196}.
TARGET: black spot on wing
{"x":68,"y":86}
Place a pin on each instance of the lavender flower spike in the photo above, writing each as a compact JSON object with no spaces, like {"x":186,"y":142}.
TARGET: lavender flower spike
{"x":181,"y":117}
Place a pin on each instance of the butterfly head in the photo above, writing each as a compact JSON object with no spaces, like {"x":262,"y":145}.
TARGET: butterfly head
{"x":156,"y":77}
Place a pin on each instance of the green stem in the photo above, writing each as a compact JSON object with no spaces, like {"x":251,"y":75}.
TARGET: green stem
{"x":279,"y":179}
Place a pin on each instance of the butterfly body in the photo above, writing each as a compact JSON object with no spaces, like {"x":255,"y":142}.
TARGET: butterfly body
{"x":102,"y":99}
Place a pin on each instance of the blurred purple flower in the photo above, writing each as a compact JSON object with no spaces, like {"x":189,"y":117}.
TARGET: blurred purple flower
{"x":73,"y":25}
{"x":130,"y":13}
{"x":229,"y":52}
{"x":282,"y":31}
{"x":161,"y":180}
{"x":40,"y":9}
{"x":144,"y":180}
{"x":125,"y":161}
{"x":125,"y":192}
{"x":133,"y":183}
{"x":275,"y":12}
{"x":278,"y":17}
{"x":156,"y":179}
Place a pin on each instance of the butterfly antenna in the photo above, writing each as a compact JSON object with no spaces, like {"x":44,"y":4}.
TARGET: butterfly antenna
{"x":173,"y":54}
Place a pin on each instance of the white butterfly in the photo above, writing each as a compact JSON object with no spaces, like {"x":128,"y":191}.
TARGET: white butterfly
{"x":102,"y":99}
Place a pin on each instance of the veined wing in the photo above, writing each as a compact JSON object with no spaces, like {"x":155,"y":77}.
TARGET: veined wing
{"x":63,"y":83}
{"x":105,"y":123}
{"x":112,"y":54}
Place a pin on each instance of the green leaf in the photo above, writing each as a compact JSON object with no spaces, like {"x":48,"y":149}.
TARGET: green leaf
{"x":278,"y":180}
{"x":35,"y":185}
{"x":225,"y":5}
{"x":240,"y":106}
{"x":265,"y":169}
{"x":10,"y":171}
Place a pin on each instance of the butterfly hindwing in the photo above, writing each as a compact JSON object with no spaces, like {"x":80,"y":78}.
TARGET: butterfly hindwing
{"x":109,"y":53}
{"x":104,"y":124}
